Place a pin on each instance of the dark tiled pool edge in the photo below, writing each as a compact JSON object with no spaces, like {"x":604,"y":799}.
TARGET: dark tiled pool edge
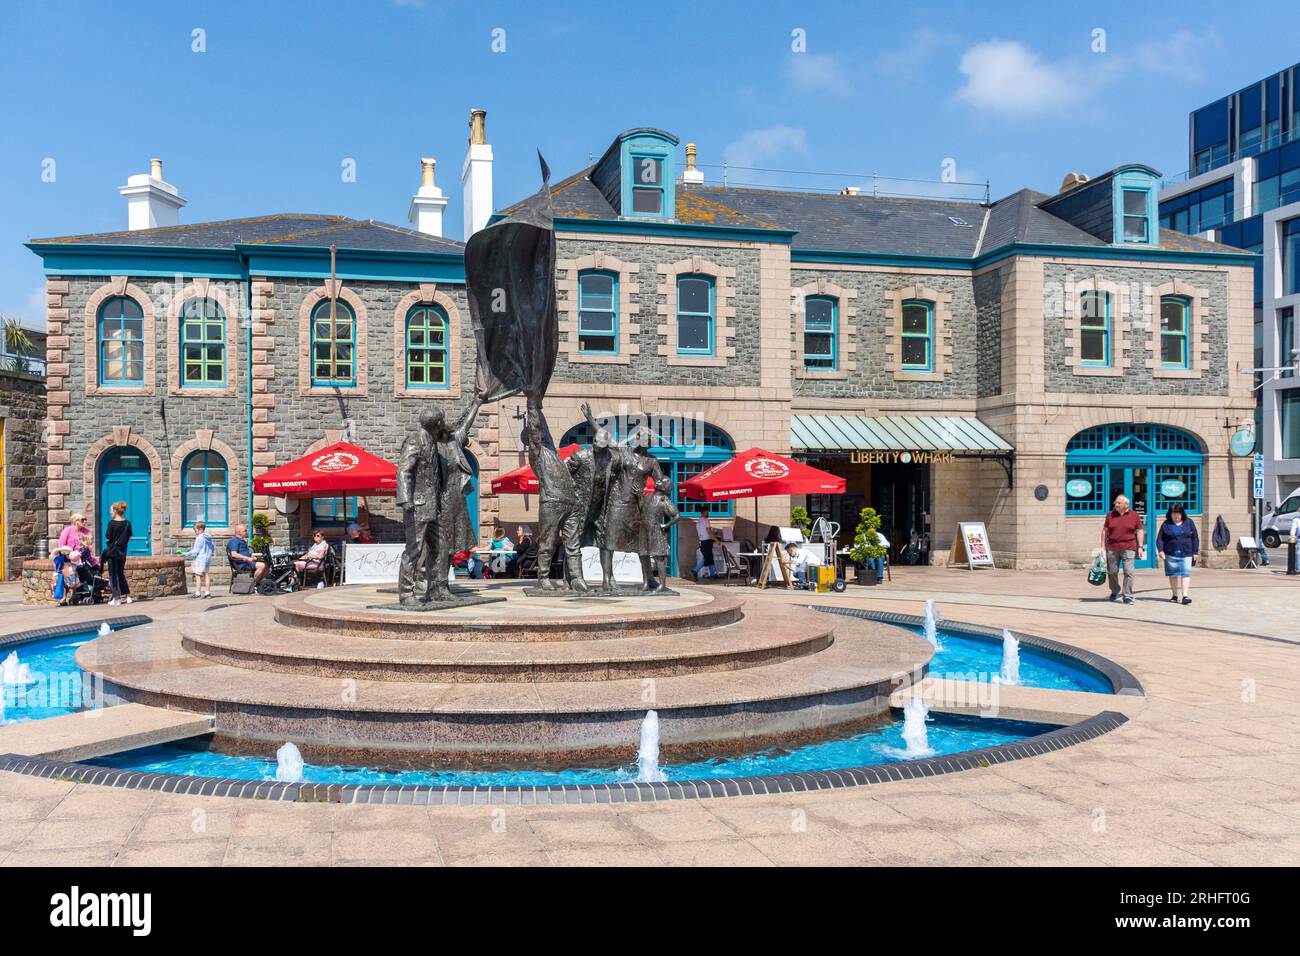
{"x":67,"y":630}
{"x":1121,"y":680}
{"x":574,"y":794}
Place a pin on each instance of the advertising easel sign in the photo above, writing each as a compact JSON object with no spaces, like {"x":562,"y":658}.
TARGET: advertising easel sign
{"x":972,"y":546}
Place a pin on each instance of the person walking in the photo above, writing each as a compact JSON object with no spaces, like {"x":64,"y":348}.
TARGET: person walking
{"x":1123,"y":538}
{"x":202,"y":553}
{"x":117,"y":537}
{"x":1177,"y":545}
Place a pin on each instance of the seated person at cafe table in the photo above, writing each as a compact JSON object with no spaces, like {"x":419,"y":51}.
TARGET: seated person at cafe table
{"x":503,"y":553}
{"x":241,"y":555}
{"x":314,"y":556}
{"x":359,"y":535}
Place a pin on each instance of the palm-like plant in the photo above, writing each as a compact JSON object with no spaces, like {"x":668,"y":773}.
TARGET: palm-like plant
{"x":17,"y":344}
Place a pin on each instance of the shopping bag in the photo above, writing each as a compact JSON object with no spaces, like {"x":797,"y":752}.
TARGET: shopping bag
{"x":1097,"y":573}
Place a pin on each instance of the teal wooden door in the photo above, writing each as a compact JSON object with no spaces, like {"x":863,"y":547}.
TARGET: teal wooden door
{"x":124,"y":476}
{"x":471,"y":494}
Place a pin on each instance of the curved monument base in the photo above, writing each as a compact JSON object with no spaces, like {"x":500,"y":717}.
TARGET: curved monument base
{"x":521,"y":682}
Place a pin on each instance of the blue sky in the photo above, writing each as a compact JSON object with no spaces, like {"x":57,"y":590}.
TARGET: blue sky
{"x":285,"y":93}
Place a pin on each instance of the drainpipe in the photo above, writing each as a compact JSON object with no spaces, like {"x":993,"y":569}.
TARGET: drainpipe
{"x":248,"y":379}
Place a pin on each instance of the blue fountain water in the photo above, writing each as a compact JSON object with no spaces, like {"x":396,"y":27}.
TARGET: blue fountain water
{"x":947,"y":734}
{"x":970,"y":657}
{"x":58,"y":688}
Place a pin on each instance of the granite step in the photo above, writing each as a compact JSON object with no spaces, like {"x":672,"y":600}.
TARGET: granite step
{"x":359,"y":611}
{"x":250,"y":637}
{"x":848,"y":681}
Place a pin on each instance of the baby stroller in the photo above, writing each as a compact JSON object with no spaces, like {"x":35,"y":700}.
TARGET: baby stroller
{"x":91,"y":588}
{"x":279,"y":577}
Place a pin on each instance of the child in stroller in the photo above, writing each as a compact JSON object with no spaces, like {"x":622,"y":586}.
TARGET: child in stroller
{"x":90,"y":585}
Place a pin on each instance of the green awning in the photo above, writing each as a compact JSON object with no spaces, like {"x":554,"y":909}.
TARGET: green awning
{"x":949,"y":433}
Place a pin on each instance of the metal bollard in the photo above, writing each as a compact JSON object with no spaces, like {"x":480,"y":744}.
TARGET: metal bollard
{"x":1291,"y":556}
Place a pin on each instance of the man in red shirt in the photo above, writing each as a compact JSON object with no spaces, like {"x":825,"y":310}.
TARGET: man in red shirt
{"x":1123,"y":537}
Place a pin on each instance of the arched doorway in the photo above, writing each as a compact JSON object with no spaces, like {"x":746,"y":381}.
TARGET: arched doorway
{"x":685,"y":447}
{"x":1154,"y":466}
{"x":124,"y":475}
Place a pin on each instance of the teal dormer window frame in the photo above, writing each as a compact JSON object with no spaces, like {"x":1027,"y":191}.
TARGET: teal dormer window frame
{"x":1135,"y":205}
{"x":648,"y":174}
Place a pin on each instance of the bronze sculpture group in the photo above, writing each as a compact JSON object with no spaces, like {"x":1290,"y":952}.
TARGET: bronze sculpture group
{"x":598,"y":497}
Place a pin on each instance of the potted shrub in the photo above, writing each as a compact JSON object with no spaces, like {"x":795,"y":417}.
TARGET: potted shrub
{"x":799,"y":518}
{"x":261,"y":536}
{"x":867,"y":545}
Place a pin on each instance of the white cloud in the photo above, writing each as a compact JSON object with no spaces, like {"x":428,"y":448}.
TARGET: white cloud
{"x":764,"y":145}
{"x":905,"y":62}
{"x":1182,"y":54}
{"x":817,"y":73}
{"x":1005,"y":76}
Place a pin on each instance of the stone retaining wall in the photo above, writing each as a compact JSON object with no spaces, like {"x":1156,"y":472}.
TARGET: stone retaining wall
{"x":146,"y":577}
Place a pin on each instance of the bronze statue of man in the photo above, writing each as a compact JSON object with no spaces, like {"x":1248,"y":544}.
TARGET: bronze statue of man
{"x":623,"y":521}
{"x":589,"y":467}
{"x":559,"y":514}
{"x":433,"y":476}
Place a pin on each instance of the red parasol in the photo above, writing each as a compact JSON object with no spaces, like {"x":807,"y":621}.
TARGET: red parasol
{"x":338,"y":470}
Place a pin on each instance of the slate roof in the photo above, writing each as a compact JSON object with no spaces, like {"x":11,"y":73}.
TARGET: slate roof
{"x":826,"y":221}
{"x":284,"y":229}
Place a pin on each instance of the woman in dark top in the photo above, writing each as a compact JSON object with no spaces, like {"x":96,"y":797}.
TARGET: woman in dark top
{"x":1177,"y":544}
{"x":117,"y":536}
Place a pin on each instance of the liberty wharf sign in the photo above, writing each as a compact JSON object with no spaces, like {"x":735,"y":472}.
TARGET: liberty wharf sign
{"x":916,"y":457}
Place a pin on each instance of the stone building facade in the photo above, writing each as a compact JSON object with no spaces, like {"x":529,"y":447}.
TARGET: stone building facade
{"x":966,"y":316}
{"x":22,"y":430}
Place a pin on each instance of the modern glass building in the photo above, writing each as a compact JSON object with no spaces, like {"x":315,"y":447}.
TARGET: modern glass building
{"x":1242,"y":189}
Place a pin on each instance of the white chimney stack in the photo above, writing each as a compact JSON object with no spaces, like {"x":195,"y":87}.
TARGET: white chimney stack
{"x":428,"y":204}
{"x":476,"y":174}
{"x":150,"y":200}
{"x":692,"y":174}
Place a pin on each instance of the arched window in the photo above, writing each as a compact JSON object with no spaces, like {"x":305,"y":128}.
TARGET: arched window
{"x":1154,"y":466}
{"x":121,"y":342}
{"x":203,"y":344}
{"x":820,"y":332}
{"x":333,"y":344}
{"x":426,"y":347}
{"x":1175,"y":315}
{"x":918,"y":335}
{"x":598,"y":313}
{"x":695,"y":315}
{"x":205,"y":490}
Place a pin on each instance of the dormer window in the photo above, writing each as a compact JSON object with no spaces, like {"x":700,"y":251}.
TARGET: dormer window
{"x":1133,"y":207}
{"x":647,"y":185}
{"x":637,"y":175}
{"x":1137,"y":226}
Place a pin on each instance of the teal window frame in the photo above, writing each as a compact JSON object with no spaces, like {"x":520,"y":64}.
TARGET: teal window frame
{"x":905,"y":336}
{"x":648,"y":144}
{"x":828,"y":329}
{"x":332,"y":344}
{"x":1104,"y":328}
{"x":333,"y":512}
{"x":207,"y":489}
{"x":422,"y":321}
{"x":1168,"y":452}
{"x":586,"y":308}
{"x":1183,"y":337}
{"x":710,"y":315}
{"x":210,"y":343}
{"x":116,"y":330}
{"x":1134,"y":181}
